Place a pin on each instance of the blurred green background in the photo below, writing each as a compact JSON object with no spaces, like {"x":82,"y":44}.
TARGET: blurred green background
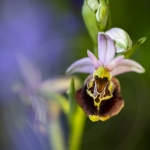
{"x":129,"y":130}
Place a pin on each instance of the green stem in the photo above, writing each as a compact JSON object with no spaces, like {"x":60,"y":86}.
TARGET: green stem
{"x":77,"y":128}
{"x":56,"y":135}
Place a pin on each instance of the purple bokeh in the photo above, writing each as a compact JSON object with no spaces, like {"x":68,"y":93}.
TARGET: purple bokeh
{"x":39,"y":31}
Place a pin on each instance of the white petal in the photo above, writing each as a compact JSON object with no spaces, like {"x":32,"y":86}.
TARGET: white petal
{"x":96,"y":63}
{"x":114,"y":62}
{"x":93,"y":4}
{"x":127,"y":65}
{"x":106,"y":48}
{"x":83,"y":65}
{"x":98,"y":13}
{"x":121,"y":38}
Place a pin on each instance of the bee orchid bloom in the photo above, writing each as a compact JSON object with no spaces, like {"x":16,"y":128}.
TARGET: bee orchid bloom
{"x":100,"y":95}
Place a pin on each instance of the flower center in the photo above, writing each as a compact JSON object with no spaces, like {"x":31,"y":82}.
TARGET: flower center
{"x":100,"y":86}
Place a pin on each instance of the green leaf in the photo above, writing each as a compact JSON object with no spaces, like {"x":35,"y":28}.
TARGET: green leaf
{"x":135,"y":47}
{"x":72,"y":101}
{"x":77,"y":128}
{"x":56,"y":135}
{"x":76,"y":119}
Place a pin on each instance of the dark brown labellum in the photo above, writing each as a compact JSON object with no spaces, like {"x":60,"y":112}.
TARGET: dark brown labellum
{"x":100,"y":98}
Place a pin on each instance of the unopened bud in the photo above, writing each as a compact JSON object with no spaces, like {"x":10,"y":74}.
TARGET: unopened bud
{"x":121,"y":38}
{"x":102,"y":14}
{"x":93,"y":4}
{"x":95,"y":14}
{"x":100,"y":8}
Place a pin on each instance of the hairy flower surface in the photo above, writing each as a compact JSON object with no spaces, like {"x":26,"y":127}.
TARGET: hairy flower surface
{"x":100,"y":95}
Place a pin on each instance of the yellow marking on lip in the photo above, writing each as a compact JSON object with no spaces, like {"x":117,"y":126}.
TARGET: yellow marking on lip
{"x":100,"y":73}
{"x":97,"y":104}
{"x":90,"y":84}
{"x":95,"y":118}
{"x":100,"y":98}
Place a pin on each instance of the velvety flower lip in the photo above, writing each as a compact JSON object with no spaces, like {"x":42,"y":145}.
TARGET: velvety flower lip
{"x":106,"y":54}
{"x":107,"y":108}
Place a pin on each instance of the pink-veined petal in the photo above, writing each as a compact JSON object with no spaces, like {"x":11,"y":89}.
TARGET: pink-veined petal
{"x":106,"y":48}
{"x":127,"y":65}
{"x":96,"y":63}
{"x":101,"y":47}
{"x":83,"y":65}
{"x":116,"y":61}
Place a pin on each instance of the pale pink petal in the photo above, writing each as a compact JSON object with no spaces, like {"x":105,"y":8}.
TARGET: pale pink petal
{"x":101,"y":47}
{"x":127,"y":65}
{"x":40,"y":107}
{"x":96,"y":63}
{"x":83,"y":65}
{"x":106,"y":48}
{"x":30,"y":73}
{"x":116,"y":61}
{"x":60,"y":84}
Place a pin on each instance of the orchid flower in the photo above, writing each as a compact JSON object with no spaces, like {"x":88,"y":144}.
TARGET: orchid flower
{"x":31,"y":93}
{"x":100,"y":95}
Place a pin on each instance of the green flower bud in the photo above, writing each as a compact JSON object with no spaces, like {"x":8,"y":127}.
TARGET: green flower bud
{"x":102,"y":14}
{"x":95,"y":14}
{"x":90,"y":21}
{"x":100,"y":8}
{"x":121,"y":38}
{"x":93,"y":4}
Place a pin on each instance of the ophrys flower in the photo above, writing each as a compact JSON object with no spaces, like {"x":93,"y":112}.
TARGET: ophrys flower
{"x":100,"y":95}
